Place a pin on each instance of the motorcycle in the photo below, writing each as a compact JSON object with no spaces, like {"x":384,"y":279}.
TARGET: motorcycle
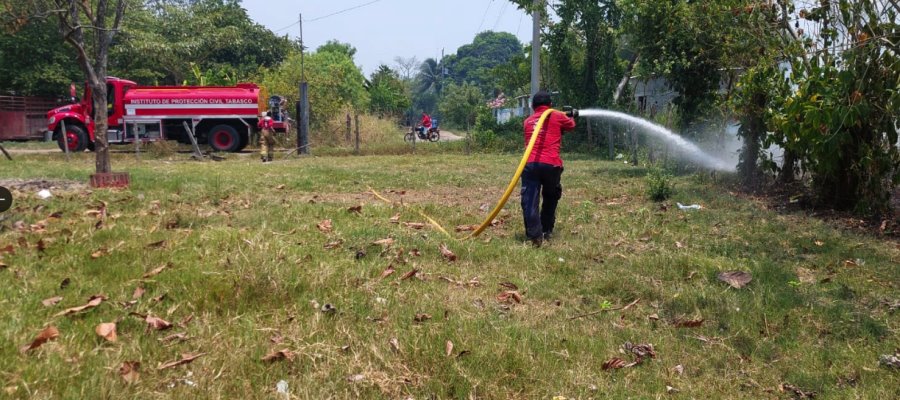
{"x":433,"y":134}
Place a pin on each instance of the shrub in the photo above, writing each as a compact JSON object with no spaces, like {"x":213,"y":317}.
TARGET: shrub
{"x":659,"y":184}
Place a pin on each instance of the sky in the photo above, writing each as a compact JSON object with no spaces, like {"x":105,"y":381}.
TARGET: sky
{"x":384,"y":29}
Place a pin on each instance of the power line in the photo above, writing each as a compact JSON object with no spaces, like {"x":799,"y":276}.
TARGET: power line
{"x":345,"y":10}
{"x":477,"y":31}
{"x":502,"y":11}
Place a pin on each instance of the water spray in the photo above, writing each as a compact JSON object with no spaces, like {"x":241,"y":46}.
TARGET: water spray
{"x":684,"y":148}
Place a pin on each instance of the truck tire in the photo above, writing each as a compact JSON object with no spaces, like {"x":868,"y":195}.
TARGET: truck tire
{"x":74,"y":136}
{"x":224,"y":138}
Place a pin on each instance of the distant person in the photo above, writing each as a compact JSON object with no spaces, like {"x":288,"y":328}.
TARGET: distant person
{"x":266,"y":137}
{"x":542,"y":173}
{"x":424,"y":125}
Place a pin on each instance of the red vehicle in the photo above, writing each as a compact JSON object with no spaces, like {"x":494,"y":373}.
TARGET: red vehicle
{"x":220,"y":116}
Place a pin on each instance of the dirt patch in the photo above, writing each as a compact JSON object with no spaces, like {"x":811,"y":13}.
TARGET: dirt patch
{"x":35,"y":185}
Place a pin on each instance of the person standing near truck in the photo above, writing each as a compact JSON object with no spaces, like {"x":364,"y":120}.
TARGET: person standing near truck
{"x":266,"y":137}
{"x":542,"y":173}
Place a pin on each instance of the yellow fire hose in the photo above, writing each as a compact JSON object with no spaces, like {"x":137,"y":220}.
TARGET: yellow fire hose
{"x":509,"y":188}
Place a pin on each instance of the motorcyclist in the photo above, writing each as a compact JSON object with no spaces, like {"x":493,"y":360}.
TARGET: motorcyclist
{"x":424,"y":125}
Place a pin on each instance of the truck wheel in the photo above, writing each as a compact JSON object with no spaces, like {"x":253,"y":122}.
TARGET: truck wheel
{"x":74,"y":137}
{"x":224,"y":138}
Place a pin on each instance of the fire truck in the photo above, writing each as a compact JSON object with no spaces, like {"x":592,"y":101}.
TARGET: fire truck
{"x":223,"y":117}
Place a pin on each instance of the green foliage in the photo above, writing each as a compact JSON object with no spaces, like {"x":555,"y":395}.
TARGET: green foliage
{"x":388,"y":95}
{"x":474,"y":62}
{"x":757,"y":92}
{"x":460,"y":104}
{"x":335,"y":83}
{"x":489,"y":136}
{"x":841,"y":118}
{"x":34,"y":61}
{"x":659,"y":184}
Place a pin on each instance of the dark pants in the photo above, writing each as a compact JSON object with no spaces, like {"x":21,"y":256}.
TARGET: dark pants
{"x":540,"y":179}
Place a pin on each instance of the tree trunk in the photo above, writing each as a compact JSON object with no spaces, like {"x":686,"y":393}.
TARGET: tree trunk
{"x":101,"y":126}
{"x":786,"y":175}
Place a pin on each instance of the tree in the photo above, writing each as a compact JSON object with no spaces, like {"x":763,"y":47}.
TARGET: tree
{"x":89,"y":27}
{"x":428,"y":85}
{"x":475,"y":62}
{"x":387,"y":93}
{"x":33,"y":62}
{"x":460,"y":104}
{"x":335,"y":82}
{"x":407,"y":67}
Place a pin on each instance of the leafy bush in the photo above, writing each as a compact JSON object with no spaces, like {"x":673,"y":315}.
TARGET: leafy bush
{"x":659,"y":184}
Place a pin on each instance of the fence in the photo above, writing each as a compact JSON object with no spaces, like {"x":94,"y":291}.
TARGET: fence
{"x":24,"y":118}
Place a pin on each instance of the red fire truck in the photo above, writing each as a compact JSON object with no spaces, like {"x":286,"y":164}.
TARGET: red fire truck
{"x":224,"y":117}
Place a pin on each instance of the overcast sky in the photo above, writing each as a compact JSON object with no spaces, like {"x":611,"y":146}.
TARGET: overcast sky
{"x":386,"y":29}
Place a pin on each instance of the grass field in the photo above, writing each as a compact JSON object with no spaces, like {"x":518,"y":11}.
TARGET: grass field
{"x":248,"y":273}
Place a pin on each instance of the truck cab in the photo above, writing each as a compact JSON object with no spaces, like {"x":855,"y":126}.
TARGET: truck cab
{"x":78,"y":117}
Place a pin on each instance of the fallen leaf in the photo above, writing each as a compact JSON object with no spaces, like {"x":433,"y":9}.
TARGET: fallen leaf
{"x":797,"y":392}
{"x":156,"y":245}
{"x":463,"y":353}
{"x":333,"y":245}
{"x":414,"y":225}
{"x":689,"y":323}
{"x":138,"y":292}
{"x":613,"y":363}
{"x":671,"y":390}
{"x":159,"y":298}
{"x":641,"y":350}
{"x":157,"y":270}
{"x":325,"y":226}
{"x":395,"y":344}
{"x":415,"y":253}
{"x":356,"y":378}
{"x":422,"y":317}
{"x":819,"y":243}
{"x":355,"y":209}
{"x":157,"y":323}
{"x":130,"y":371}
{"x":278,"y":355}
{"x":387,"y":272}
{"x":448,"y":348}
{"x":51,"y":301}
{"x":181,"y":336}
{"x":465,"y":228}
{"x":653,"y":317}
{"x":107,"y":330}
{"x":99,"y":253}
{"x":679,"y":369}
{"x":9,"y":249}
{"x":280,"y":187}
{"x":94,"y":301}
{"x":65,"y":283}
{"x":387,"y":242}
{"x":409,"y":274}
{"x":186,"y":320}
{"x":395,"y":219}
{"x":509,"y":296}
{"x":41,"y":246}
{"x":737,"y":279}
{"x":445,"y":251}
{"x":49,"y":333}
{"x":186,"y":358}
{"x":679,"y":245}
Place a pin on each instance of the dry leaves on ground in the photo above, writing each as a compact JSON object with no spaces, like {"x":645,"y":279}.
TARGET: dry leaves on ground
{"x":737,"y":279}
{"x":325,"y":226}
{"x":333,"y":245}
{"x":157,"y":270}
{"x":130,"y":371}
{"x":448,"y":255}
{"x":51,"y":301}
{"x":277,"y":355}
{"x":395,"y":219}
{"x":157,"y":245}
{"x":94,"y":301}
{"x":422,"y":317}
{"x":395,"y":344}
{"x":797,"y":392}
{"x":386,"y":242}
{"x":49,"y":333}
{"x":99,"y":253}
{"x":509,"y":296}
{"x":409,"y":275}
{"x":688,"y":323}
{"x":414,"y":225}
{"x":157,"y":323}
{"x":186,"y":358}
{"x":107,"y":330}
{"x":181,"y":336}
{"x":466,"y":228}
{"x":138,"y":292}
{"x":614,"y":363}
{"x":387,"y":271}
{"x":448,"y":348}
{"x":355,"y":209}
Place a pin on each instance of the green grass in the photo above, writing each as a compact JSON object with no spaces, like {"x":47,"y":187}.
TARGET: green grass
{"x":248,"y":263}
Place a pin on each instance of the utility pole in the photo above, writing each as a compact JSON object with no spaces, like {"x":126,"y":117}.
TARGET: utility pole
{"x":536,"y":47}
{"x":303,"y":102}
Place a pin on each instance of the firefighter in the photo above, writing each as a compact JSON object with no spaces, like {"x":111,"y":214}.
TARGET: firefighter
{"x":542,"y":173}
{"x":266,"y":137}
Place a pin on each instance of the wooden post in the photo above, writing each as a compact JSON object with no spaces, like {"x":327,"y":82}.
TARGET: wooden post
{"x":5,"y":153}
{"x":197,"y":153}
{"x":356,"y":148}
{"x":65,"y":139}
{"x":348,"y":128}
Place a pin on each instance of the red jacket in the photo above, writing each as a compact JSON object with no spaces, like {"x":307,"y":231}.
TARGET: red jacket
{"x":265,"y":123}
{"x":426,"y":121}
{"x":546,"y":148}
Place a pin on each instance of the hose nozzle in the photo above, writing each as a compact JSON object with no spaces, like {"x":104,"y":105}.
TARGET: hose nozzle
{"x":570,"y":111}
